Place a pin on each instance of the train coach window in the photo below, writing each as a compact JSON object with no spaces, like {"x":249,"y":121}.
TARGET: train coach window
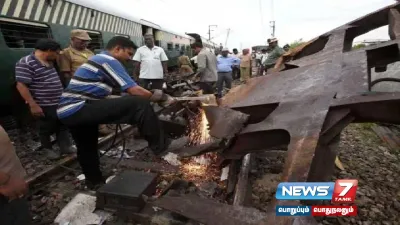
{"x":97,"y":40}
{"x":22,"y":34}
{"x":176,"y":47}
{"x":169,"y":46}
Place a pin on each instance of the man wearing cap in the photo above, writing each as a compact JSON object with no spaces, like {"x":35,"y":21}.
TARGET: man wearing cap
{"x":225,"y":64}
{"x":75,"y":55}
{"x":274,"y":54}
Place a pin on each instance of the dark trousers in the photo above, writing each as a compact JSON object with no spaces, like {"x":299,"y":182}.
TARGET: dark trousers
{"x":207,"y":87}
{"x":223,"y":78}
{"x":50,"y":124}
{"x":258,"y":62}
{"x":235,"y":73}
{"x":151,"y":84}
{"x":15,"y":212}
{"x":124,"y":110}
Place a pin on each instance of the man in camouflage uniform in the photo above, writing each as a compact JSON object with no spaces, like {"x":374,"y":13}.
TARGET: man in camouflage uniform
{"x":274,"y":54}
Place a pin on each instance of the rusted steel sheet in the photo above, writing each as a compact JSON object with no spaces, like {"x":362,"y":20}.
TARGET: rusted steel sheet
{"x":307,"y":106}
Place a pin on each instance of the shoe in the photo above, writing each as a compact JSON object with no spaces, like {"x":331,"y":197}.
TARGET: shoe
{"x":51,"y":154}
{"x":65,"y":143}
{"x":68,"y":151}
{"x":94,"y":186}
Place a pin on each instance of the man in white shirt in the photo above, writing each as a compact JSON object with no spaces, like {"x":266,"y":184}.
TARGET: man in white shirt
{"x":152,"y":62}
{"x":264,"y":56}
{"x":236,"y":67}
{"x":258,"y":58}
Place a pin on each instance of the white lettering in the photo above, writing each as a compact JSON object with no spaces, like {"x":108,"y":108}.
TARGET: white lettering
{"x":322,"y":190}
{"x":311,"y":190}
{"x":328,"y":211}
{"x":297,"y":191}
{"x":286,"y":191}
{"x":347,"y":186}
{"x":305,"y":191}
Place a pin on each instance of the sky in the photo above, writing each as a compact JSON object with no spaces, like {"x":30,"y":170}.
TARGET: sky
{"x":249,"y":20}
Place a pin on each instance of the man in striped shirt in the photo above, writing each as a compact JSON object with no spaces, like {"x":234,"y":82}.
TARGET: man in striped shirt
{"x":39,"y":84}
{"x":84,"y":105}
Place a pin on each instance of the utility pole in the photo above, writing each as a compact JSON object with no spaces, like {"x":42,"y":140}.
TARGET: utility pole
{"x":272,"y":28}
{"x":272,"y":22}
{"x":227,"y":36}
{"x":209,"y":31}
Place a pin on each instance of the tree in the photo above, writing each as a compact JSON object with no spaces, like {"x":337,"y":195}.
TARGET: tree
{"x":358,"y":46}
{"x":296,"y":43}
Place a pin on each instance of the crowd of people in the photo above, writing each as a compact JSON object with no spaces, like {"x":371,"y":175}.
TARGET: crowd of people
{"x":71,"y":93}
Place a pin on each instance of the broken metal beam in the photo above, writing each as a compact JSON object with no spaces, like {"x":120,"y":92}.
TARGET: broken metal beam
{"x":224,"y":122}
{"x":210,"y":212}
{"x":241,"y":191}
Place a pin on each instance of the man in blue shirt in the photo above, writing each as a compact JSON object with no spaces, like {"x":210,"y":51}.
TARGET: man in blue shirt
{"x":84,"y":105}
{"x":225,"y":64}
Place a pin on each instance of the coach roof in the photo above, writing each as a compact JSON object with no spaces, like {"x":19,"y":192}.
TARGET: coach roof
{"x":110,"y":9}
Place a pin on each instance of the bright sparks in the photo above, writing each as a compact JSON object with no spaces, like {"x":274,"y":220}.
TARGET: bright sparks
{"x":205,"y":134}
{"x":193,"y":171}
{"x":199,"y":129}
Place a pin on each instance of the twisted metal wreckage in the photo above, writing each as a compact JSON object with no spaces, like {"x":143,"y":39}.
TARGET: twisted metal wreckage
{"x":321,"y":87}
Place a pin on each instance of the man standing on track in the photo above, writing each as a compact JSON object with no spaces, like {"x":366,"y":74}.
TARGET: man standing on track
{"x":184,"y":64}
{"x":14,"y":208}
{"x":236,"y":67}
{"x":207,"y":68}
{"x":84,"y":105}
{"x":39,"y":85}
{"x":75,"y":55}
{"x":245,"y":65}
{"x":225,"y":64}
{"x":152,"y":62}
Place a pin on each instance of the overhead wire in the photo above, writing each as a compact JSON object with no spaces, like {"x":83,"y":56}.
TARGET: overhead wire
{"x":261,"y":17}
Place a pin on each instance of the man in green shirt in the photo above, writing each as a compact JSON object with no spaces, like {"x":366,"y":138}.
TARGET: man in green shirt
{"x":274,"y":54}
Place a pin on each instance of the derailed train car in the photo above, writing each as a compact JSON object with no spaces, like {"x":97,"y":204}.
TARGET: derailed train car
{"x":23,"y":22}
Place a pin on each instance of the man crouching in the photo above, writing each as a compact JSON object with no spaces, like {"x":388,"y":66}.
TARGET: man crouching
{"x":84,"y":105}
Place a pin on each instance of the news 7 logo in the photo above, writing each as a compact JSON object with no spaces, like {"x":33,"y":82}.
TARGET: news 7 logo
{"x":345,"y":191}
{"x":342,"y":191}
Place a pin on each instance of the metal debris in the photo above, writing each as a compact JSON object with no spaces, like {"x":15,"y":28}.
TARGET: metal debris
{"x":172,"y":159}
